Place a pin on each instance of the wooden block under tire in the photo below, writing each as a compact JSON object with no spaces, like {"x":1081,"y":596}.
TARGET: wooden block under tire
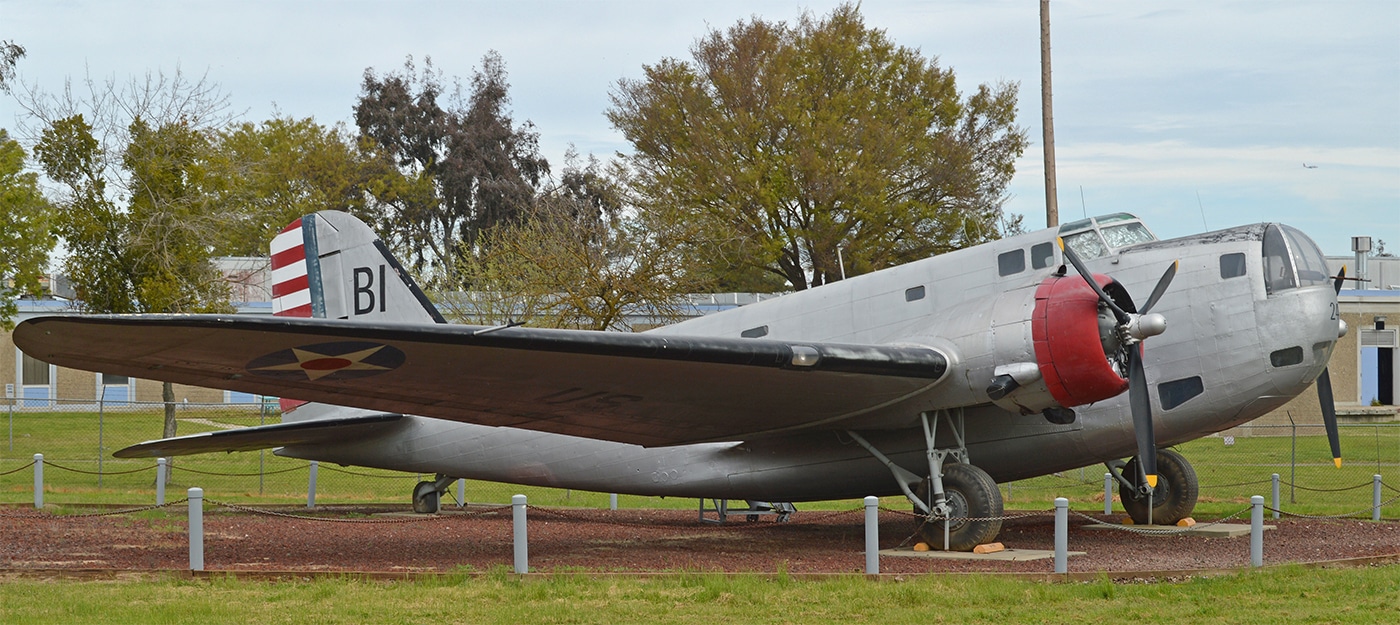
{"x":989,"y":548}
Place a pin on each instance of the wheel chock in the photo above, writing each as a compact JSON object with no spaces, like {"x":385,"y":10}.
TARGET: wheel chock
{"x":1186,"y":522}
{"x":920,"y":547}
{"x":989,"y":548}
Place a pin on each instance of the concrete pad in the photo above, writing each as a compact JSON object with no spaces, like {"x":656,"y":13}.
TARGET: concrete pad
{"x":1006,"y":555}
{"x":1208,"y":530}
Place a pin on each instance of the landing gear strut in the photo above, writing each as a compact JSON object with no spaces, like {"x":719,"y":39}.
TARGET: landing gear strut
{"x":962,"y":502}
{"x":427,"y":496}
{"x":1172,"y":500}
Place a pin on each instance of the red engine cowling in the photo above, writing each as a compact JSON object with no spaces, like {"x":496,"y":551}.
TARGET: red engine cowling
{"x":1068,"y":348}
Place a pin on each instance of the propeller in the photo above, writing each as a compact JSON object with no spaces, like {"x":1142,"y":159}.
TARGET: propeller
{"x":1133,"y":328}
{"x":1324,"y":393}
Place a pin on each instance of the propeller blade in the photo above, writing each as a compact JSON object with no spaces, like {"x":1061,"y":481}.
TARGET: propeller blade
{"x":1141,"y":405}
{"x":1337,"y":282}
{"x":1162,"y":284}
{"x":1329,"y":416}
{"x":1118,"y":313}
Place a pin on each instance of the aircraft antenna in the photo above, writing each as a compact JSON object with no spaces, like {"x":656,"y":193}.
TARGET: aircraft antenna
{"x":1203,"y":210}
{"x":1082,"y":206}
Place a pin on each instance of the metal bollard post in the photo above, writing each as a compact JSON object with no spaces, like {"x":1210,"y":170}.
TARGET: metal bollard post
{"x":160,"y":481}
{"x":872,"y":535}
{"x":196,"y":496}
{"x":311,"y":485}
{"x":1375,"y":497}
{"x":1256,"y":531}
{"x":1108,"y":493}
{"x":522,"y":540}
{"x":1061,"y":535}
{"x":38,"y":480}
{"x":612,"y":501}
{"x":1275,"y":499}
{"x":462,"y":493}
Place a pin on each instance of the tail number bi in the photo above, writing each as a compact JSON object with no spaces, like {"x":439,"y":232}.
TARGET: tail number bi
{"x":365,"y":296}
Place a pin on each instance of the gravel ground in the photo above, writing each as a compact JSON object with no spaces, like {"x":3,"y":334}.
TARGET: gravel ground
{"x":622,"y":541}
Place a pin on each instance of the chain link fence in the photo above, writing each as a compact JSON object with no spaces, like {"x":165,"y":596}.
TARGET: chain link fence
{"x":77,"y":439}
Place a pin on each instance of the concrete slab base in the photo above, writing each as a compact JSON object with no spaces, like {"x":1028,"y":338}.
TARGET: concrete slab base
{"x":1006,"y":555}
{"x":1217,"y":530}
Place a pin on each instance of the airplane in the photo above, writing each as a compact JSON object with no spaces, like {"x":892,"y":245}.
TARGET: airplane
{"x":935,"y":379}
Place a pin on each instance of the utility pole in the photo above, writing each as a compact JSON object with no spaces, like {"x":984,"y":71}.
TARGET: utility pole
{"x":1047,"y":121}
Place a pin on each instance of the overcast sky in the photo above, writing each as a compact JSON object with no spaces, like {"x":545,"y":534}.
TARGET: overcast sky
{"x":1192,"y":114}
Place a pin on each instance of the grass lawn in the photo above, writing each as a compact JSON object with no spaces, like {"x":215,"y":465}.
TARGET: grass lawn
{"x":1283,"y":595}
{"x":77,"y":444}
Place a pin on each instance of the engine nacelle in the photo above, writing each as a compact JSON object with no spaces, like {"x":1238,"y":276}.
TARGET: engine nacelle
{"x":1069,"y":348}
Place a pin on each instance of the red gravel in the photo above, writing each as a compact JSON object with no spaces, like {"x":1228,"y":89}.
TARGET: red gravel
{"x":623,"y":541}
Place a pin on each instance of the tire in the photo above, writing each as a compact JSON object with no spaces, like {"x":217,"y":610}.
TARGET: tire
{"x":972,"y":494}
{"x":426,"y":499}
{"x":1175,"y":495}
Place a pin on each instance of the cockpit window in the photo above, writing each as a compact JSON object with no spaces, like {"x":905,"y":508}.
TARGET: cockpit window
{"x":1291,"y":260}
{"x":1278,"y":264}
{"x":1127,"y":234}
{"x":1086,"y":244}
{"x":1308,"y":260}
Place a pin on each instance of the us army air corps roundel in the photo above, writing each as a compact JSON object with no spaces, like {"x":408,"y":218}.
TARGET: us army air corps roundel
{"x":328,"y":361}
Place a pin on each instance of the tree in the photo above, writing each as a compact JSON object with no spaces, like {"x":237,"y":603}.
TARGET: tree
{"x":26,"y":235}
{"x":465,"y":167}
{"x":263,"y":176}
{"x":10,"y":54}
{"x":796,"y":149}
{"x":131,"y":161}
{"x":578,"y":260}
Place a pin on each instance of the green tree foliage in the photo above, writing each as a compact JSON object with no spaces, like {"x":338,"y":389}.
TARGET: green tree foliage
{"x":781,"y":144}
{"x":132,"y":162}
{"x":578,"y":260}
{"x":26,"y":237}
{"x":264,"y":176}
{"x":465,"y":165}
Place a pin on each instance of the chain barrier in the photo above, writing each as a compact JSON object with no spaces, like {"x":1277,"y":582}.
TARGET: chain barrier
{"x":48,"y":463}
{"x":807,"y":517}
{"x":400,"y":520}
{"x":1349,"y":515}
{"x":1236,"y":484}
{"x":36,"y":513}
{"x":31,"y":463}
{"x":1325,"y":490}
{"x":929,"y":518}
{"x":1157,"y":532}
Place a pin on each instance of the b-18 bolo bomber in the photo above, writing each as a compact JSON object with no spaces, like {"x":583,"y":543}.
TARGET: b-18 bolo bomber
{"x":936,"y":379}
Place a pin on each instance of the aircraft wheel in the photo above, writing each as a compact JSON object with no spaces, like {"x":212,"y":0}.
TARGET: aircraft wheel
{"x":1175,"y":495}
{"x":426,"y":498}
{"x":972,"y":494}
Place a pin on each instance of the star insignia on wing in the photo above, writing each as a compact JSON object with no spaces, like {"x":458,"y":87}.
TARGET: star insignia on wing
{"x":316,"y":362}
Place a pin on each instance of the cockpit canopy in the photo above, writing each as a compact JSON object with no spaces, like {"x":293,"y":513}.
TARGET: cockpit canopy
{"x":1291,"y":260}
{"x":1103,"y":235}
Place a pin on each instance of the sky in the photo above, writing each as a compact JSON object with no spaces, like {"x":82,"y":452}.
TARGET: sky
{"x":1195,"y":115}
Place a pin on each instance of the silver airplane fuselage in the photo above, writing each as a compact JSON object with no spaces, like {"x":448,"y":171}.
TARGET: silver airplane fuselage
{"x":1250,"y":325}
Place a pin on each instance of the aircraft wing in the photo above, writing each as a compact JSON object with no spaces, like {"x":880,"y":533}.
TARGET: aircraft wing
{"x":644,"y":389}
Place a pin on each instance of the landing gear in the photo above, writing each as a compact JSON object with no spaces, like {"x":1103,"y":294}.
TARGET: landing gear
{"x":974,"y":508}
{"x":1172,"y":500}
{"x":427,"y":496}
{"x":966,"y":496}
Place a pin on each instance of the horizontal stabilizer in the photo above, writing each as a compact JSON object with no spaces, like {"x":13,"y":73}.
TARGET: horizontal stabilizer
{"x":263,"y":436}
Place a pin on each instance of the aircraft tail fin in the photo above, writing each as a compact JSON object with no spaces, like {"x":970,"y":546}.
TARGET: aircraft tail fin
{"x":331,"y":265}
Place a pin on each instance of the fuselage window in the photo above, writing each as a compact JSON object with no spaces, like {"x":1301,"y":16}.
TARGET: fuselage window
{"x":1011,"y":262}
{"x":1232,"y":265}
{"x":1286,"y":357}
{"x":1278,"y":264}
{"x":1178,"y":392}
{"x":914,"y":293}
{"x":753,"y":333}
{"x":1042,"y":255}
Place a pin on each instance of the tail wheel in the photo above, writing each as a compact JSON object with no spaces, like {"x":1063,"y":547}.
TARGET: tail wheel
{"x":1174,"y":497}
{"x":426,"y":498}
{"x":976,"y":508}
